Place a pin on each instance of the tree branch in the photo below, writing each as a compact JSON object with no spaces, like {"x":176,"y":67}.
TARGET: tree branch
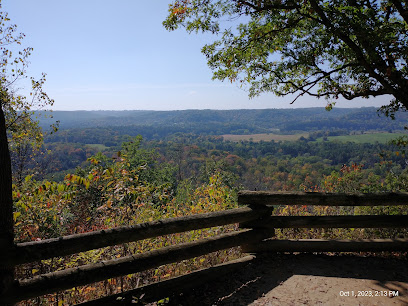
{"x":359,"y":54}
{"x":272,"y":6}
{"x":403,"y":12}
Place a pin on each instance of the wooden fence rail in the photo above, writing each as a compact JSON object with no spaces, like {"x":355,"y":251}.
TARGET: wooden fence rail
{"x":256,"y":223}
{"x":264,"y":198}
{"x":325,"y":245}
{"x":69,"y":278}
{"x":396,"y":221}
{"x":165,"y":288}
{"x":67,"y":245}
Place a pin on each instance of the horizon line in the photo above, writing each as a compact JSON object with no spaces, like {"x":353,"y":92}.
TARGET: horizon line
{"x":198,"y":109}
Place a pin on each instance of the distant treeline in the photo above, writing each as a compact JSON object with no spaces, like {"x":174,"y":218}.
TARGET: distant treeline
{"x":160,"y":124}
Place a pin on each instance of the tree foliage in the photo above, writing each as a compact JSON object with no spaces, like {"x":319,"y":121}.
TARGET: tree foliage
{"x":16,"y":123}
{"x":25,"y":136}
{"x":331,"y":49}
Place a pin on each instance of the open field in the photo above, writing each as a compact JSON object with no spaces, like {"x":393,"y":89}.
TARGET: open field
{"x":365,"y":138}
{"x":264,"y":137}
{"x":98,"y":146}
{"x":360,"y":138}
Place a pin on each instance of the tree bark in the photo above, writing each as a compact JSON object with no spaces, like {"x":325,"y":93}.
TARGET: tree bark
{"x":6,"y":207}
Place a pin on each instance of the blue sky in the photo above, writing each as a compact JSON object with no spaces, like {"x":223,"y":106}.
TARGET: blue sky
{"x":116,"y":55}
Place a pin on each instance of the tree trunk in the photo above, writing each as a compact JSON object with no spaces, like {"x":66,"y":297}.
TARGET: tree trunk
{"x":6,"y":207}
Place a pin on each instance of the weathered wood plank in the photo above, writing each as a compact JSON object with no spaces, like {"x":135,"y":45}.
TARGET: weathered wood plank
{"x":65,"y":279}
{"x":378,"y":221}
{"x":37,"y":250}
{"x":324,"y":199}
{"x":322,"y":245}
{"x":176,"y":285}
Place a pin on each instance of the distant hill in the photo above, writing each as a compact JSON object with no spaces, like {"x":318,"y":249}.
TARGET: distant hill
{"x":218,"y":122}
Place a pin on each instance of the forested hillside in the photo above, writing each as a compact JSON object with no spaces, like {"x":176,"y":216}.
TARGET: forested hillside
{"x":183,"y":140}
{"x":87,"y":176}
{"x":157,"y":124}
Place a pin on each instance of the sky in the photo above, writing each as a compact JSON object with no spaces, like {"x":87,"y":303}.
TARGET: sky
{"x":116,"y":55}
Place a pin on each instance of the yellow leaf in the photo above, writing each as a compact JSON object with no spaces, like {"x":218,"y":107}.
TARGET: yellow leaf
{"x":16,"y":215}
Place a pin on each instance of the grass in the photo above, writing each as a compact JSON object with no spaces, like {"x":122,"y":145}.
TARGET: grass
{"x":98,"y":146}
{"x":264,"y":137}
{"x":372,"y":138}
{"x":365,"y":138}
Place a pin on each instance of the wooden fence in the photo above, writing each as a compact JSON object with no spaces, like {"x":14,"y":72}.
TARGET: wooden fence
{"x":256,"y":226}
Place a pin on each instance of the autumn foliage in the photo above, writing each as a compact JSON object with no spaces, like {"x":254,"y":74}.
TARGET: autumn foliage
{"x":110,"y":193}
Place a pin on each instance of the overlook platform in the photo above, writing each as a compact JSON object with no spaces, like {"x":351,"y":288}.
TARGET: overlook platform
{"x":307,"y":279}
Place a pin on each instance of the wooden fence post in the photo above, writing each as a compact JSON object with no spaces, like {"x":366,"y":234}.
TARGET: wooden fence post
{"x":6,"y":209}
{"x":251,"y":247}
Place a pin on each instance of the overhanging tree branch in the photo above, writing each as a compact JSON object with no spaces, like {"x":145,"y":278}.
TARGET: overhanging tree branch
{"x":365,"y":40}
{"x":268,"y":5}
{"x":404,"y":13}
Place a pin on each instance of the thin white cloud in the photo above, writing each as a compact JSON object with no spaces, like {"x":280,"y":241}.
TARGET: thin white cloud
{"x":101,"y":89}
{"x":191,"y":93}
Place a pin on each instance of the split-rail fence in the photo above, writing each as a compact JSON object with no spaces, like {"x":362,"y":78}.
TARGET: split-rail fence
{"x":257,"y":226}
